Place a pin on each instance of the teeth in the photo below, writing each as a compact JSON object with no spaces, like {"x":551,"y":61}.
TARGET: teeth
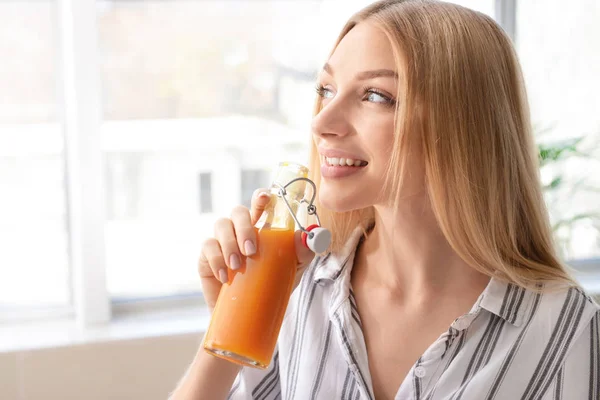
{"x":342,"y":162}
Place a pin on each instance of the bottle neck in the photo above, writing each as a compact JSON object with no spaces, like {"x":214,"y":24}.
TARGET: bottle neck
{"x":277,"y":214}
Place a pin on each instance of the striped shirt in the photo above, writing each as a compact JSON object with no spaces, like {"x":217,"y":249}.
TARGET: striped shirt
{"x":513,"y":344}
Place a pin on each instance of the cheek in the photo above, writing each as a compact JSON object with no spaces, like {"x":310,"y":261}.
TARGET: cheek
{"x":381,"y":144}
{"x":376,"y":136}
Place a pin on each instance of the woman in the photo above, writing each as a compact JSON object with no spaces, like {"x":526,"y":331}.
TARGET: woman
{"x":442,"y":281}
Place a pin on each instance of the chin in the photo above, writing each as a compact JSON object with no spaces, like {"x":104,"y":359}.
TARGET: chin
{"x":340,"y":198}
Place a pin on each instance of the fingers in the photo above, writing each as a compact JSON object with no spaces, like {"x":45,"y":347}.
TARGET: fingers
{"x":211,"y":262}
{"x":304,"y":256}
{"x":260,"y":200}
{"x":212,"y":271}
{"x":244,"y":230}
{"x":233,"y":239}
{"x":303,"y":253}
{"x":225,"y":235}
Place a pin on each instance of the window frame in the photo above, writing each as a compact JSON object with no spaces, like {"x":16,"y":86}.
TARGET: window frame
{"x":79,"y":95}
{"x":506,"y":15}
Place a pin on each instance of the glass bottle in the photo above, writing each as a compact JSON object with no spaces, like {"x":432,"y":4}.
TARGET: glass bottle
{"x":250,"y":308}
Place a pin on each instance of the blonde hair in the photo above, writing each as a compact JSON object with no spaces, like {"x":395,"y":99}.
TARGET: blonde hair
{"x":463,"y":97}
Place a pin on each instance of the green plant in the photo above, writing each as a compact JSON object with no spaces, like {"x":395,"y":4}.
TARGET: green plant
{"x":560,"y":188}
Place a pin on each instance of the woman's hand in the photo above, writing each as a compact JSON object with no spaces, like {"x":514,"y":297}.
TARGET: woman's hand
{"x":235,"y":238}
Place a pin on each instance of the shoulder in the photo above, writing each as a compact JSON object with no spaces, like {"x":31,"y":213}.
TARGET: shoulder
{"x":562,"y":317}
{"x":554,"y":344}
{"x":571,"y":303}
{"x":569,"y":307}
{"x":575,"y":343}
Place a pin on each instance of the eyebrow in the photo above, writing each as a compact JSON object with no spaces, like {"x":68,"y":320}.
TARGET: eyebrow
{"x":376,"y":73}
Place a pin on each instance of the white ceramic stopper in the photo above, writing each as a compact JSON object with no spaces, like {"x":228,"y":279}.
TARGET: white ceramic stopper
{"x":320,"y":241}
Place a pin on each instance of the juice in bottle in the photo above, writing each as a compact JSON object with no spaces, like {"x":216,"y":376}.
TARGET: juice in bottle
{"x":249,"y":311}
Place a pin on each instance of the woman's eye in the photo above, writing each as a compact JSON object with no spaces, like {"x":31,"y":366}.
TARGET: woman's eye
{"x":371,"y":95}
{"x":324,"y":92}
{"x":375,"y":97}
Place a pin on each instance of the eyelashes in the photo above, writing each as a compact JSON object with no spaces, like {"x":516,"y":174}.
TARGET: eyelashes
{"x":320,"y":89}
{"x":369,"y":94}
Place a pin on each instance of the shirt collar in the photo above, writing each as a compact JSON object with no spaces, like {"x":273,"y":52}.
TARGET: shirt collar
{"x":506,"y":300}
{"x":331,"y":266}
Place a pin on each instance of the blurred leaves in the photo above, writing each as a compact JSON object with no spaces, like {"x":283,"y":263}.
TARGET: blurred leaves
{"x":559,"y":151}
{"x":560,"y":188}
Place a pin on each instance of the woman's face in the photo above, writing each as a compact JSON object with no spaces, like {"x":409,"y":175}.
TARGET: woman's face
{"x":357,"y":86}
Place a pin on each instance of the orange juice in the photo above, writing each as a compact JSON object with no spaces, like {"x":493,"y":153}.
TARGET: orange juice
{"x":251,"y":306}
{"x":249,"y":312}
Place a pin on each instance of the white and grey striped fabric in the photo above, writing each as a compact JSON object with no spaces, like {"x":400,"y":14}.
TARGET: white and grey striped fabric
{"x":513,"y":344}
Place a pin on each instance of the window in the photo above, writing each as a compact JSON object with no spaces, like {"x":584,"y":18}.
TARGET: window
{"x":252,"y":180}
{"x":34,"y":265}
{"x":205,"y":186}
{"x":558,"y":47}
{"x":192,"y":123}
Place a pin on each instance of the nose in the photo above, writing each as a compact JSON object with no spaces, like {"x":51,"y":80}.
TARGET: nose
{"x":332,"y":120}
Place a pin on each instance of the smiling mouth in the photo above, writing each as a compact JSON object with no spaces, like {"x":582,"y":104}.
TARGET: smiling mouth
{"x":343,"y":162}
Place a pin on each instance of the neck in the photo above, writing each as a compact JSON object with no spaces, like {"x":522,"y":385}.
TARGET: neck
{"x":408,"y":256}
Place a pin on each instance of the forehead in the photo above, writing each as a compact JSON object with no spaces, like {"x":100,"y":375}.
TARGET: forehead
{"x":365,"y":47}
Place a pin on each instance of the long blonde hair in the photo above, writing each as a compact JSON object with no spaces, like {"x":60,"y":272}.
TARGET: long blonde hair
{"x":463,"y":97}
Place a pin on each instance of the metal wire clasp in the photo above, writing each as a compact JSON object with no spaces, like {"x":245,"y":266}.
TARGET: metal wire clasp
{"x":311,"y":208}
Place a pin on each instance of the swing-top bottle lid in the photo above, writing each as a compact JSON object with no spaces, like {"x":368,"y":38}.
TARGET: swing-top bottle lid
{"x":288,"y":171}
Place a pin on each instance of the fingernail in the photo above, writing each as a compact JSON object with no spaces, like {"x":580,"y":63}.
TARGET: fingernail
{"x":234,"y":261}
{"x":263,"y":195}
{"x":249,"y":247}
{"x":223,"y":275}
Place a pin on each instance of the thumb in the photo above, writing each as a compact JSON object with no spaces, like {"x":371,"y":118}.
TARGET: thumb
{"x":303,"y":253}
